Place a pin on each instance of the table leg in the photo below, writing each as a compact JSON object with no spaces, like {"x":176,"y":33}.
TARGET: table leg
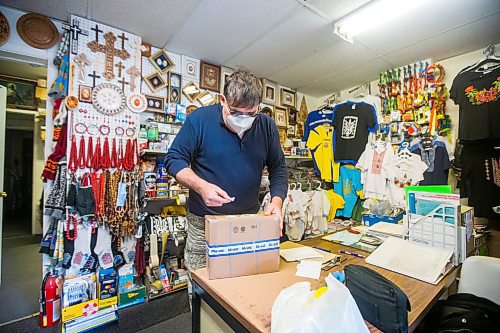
{"x":196,"y":307}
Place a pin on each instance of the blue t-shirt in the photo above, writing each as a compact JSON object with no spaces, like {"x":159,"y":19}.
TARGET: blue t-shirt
{"x":314,"y":119}
{"x":217,"y":155}
{"x":349,"y":182}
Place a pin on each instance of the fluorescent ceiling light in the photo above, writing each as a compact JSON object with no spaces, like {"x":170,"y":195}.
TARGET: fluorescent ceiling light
{"x":372,"y":15}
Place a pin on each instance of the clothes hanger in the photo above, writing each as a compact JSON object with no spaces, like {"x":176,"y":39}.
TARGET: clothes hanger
{"x":489,"y":51}
{"x":404,"y":153}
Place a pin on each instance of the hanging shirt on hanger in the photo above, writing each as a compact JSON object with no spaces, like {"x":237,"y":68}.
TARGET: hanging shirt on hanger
{"x":373,"y":163}
{"x":320,"y":144}
{"x":352,"y":122}
{"x":336,"y":203}
{"x":437,"y":160}
{"x":404,"y":172}
{"x":349,"y":187}
{"x":478,"y":96}
{"x":316,"y":118}
{"x":481,"y":171}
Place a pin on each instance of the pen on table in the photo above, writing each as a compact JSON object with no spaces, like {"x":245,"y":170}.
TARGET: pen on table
{"x":322,"y":249}
{"x":352,"y":253}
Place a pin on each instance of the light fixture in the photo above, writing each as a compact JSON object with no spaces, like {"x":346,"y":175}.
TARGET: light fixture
{"x":373,"y":14}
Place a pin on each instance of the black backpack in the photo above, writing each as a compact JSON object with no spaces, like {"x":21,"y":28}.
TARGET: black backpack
{"x":463,"y":313}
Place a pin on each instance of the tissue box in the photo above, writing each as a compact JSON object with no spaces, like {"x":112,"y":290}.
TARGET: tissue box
{"x":238,"y":245}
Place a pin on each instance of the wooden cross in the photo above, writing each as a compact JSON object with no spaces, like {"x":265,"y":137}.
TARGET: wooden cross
{"x":133,"y":72}
{"x":110,"y":53}
{"x":123,"y":38}
{"x":82,"y":62}
{"x":123,"y":82}
{"x":75,"y":34}
{"x":97,"y":31}
{"x":94,"y":76}
{"x":120,"y":67}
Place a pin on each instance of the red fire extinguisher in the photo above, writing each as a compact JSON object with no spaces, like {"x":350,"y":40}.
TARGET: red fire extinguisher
{"x":50,"y":300}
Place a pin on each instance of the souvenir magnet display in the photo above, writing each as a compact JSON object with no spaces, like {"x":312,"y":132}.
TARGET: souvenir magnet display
{"x":137,"y":103}
{"x":108,"y":99}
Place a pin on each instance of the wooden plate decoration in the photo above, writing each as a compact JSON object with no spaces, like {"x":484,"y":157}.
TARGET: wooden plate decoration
{"x":137,"y":103}
{"x":191,"y":108}
{"x":4,"y":29}
{"x":108,"y":99}
{"x":37,"y":30}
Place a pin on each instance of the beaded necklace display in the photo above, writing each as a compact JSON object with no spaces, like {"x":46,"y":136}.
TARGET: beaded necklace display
{"x":71,"y":220}
{"x":73,"y":164}
{"x":81,"y":154}
{"x":90,"y":152}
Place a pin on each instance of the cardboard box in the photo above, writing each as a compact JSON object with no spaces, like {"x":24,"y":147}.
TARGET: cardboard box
{"x":466,"y":232}
{"x":238,"y":245}
{"x":78,"y":310}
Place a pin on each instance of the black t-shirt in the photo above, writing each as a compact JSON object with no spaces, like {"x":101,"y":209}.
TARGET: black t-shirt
{"x":481,"y":173}
{"x":352,"y":122}
{"x":438,"y":163}
{"x":478,"y":96}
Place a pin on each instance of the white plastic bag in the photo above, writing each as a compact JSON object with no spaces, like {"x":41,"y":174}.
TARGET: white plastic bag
{"x":329,"y":309}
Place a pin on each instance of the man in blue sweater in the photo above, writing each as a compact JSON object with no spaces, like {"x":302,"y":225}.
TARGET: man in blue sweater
{"x":220,"y":153}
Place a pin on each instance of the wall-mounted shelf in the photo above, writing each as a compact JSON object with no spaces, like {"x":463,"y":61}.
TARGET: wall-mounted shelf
{"x":152,"y":152}
{"x":296,"y":157}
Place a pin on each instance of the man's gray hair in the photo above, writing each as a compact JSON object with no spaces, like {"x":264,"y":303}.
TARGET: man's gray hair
{"x":243,"y":89}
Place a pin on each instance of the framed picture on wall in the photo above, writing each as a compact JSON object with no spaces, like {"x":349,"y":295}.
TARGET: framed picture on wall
{"x":20,"y":92}
{"x":209,"y":77}
{"x":191,"y":91}
{"x":225,"y":74}
{"x":154,"y":81}
{"x":292,"y":116}
{"x":161,"y":61}
{"x":206,"y":98}
{"x":155,"y":103}
{"x":267,"y":110}
{"x":175,"y":88}
{"x":268,"y":92}
{"x":281,"y":117}
{"x":288,"y":97}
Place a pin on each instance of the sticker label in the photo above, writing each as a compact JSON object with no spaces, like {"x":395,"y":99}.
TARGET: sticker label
{"x":242,"y":248}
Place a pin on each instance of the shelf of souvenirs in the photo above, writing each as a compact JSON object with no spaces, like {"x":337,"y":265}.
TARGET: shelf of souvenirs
{"x":172,"y":289}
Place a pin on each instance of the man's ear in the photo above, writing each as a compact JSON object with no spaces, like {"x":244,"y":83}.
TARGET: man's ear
{"x":222,"y":98}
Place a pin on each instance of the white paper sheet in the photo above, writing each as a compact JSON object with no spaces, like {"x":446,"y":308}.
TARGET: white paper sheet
{"x":309,"y":269}
{"x":391,"y":229}
{"x":418,"y":261}
{"x":345,"y":237}
{"x":299,"y":253}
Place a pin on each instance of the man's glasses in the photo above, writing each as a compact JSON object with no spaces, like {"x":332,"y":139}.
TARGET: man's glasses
{"x":239,"y":113}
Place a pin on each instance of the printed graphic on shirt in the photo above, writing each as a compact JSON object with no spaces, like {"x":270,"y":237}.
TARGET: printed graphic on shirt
{"x":478,"y":97}
{"x":349,"y":125}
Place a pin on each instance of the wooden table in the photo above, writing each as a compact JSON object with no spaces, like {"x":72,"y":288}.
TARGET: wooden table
{"x":244,"y":303}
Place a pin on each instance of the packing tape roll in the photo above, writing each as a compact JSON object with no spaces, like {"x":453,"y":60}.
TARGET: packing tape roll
{"x":181,"y":199}
{"x":179,"y":240}
{"x":154,"y":261}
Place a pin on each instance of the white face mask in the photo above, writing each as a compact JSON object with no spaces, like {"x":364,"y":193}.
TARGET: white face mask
{"x":240,"y":123}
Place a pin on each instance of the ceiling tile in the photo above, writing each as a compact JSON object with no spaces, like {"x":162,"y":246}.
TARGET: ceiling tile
{"x":219,"y":29}
{"x":432,"y":18}
{"x":465,"y":39}
{"x":336,"y":58}
{"x":345,"y":79}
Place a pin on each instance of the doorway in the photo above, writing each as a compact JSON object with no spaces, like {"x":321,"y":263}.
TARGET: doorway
{"x":21,"y":219}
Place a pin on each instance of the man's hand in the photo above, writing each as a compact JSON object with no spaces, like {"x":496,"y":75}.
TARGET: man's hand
{"x":274,"y":208}
{"x":213,"y":195}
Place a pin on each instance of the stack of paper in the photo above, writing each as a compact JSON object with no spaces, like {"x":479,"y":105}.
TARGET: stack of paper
{"x":299,"y":253}
{"x":387,"y":229}
{"x":344,"y":237}
{"x":309,"y":269}
{"x":418,"y":261}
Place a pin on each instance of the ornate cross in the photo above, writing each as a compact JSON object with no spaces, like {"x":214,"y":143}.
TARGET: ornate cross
{"x":120,"y":67}
{"x":97,"y":31}
{"x":82,"y":62}
{"x":75,"y":33}
{"x":123,"y":38}
{"x":94,"y":76}
{"x":110,"y":53}
{"x":133,"y":72}
{"x":123,"y":82}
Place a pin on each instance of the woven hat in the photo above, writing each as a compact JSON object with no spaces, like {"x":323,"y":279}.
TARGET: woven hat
{"x":37,"y":30}
{"x":4,"y":29}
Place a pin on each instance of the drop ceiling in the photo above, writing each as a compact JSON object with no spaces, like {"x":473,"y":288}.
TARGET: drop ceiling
{"x":292,"y":41}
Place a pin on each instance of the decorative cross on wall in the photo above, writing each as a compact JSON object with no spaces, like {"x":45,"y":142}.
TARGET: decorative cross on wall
{"x":123,"y":38}
{"x":120,"y":67}
{"x":110,"y":53}
{"x":94,"y":76}
{"x":124,"y":83}
{"x":133,"y":72}
{"x":82,"y":62}
{"x":97,"y":31}
{"x":75,"y":34}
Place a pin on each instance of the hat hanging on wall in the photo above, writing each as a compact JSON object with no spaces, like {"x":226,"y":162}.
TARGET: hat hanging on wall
{"x":4,"y":29}
{"x":37,"y":30}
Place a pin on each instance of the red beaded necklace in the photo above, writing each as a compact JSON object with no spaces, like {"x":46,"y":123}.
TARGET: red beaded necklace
{"x":105,"y":159}
{"x":71,"y":220}
{"x":81,"y":154}
{"x":73,"y":164}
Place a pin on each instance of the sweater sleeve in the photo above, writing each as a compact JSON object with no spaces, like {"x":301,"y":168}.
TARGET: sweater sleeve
{"x":183,"y":150}
{"x":278,"y":171}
